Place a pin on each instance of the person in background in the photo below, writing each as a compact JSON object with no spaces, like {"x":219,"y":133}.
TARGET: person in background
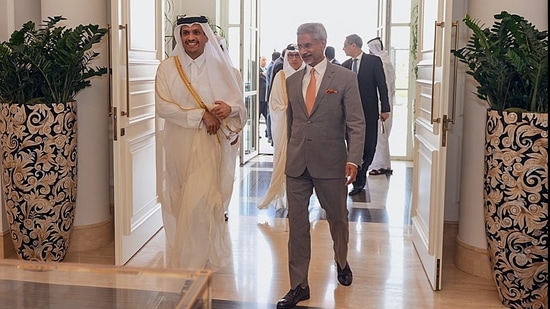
{"x":330,"y":53}
{"x":263,"y":63}
{"x":278,"y":103}
{"x":277,"y":66}
{"x":199,"y":97}
{"x":326,"y":132}
{"x":262,"y":106}
{"x":275,"y":58}
{"x":381,"y":163}
{"x":373,"y":89}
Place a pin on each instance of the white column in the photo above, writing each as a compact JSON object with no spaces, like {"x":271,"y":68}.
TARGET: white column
{"x":93,"y":115}
{"x":7,"y":16}
{"x":471,"y":221}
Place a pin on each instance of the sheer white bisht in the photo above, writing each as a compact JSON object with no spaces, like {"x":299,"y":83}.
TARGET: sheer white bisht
{"x":382,"y":158}
{"x":278,"y":102}
{"x":195,"y":170}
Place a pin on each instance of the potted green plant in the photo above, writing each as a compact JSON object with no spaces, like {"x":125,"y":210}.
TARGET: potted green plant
{"x":509,"y":61}
{"x":42,"y":69}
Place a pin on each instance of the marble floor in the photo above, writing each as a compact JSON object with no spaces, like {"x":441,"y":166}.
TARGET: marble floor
{"x":387,"y":271}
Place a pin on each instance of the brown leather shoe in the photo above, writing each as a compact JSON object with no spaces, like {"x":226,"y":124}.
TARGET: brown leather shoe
{"x":293,"y":297}
{"x":345,"y":277}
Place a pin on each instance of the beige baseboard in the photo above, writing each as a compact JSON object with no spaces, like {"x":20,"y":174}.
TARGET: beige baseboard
{"x":472,"y":260}
{"x":83,"y":238}
{"x":6,"y":245}
{"x":93,"y":236}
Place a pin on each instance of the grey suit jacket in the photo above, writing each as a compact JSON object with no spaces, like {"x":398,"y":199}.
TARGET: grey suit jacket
{"x":333,"y":134}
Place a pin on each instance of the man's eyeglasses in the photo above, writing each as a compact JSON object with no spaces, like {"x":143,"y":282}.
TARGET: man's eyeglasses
{"x":294,"y":55}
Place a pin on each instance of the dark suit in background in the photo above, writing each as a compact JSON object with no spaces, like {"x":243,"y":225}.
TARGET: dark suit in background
{"x":372,"y":87}
{"x":274,"y":56}
{"x":275,"y":68}
{"x":263,"y":108}
{"x":330,"y":53}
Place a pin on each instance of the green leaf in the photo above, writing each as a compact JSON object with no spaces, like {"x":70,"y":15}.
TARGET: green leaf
{"x":50,"y":63}
{"x":509,"y":60}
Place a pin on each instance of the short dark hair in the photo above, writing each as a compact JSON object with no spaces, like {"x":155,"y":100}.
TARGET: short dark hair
{"x":329,"y":52}
{"x":275,"y":55}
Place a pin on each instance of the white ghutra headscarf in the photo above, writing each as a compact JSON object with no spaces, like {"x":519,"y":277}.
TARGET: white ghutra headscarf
{"x":377,"y":48}
{"x":289,"y":70}
{"x":220,"y":68}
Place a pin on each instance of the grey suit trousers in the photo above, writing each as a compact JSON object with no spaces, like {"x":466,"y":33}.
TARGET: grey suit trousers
{"x":332,"y":195}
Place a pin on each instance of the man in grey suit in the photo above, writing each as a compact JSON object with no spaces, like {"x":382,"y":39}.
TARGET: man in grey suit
{"x":326,"y":133}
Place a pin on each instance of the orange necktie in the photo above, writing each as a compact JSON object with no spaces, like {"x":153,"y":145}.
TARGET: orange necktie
{"x":310,"y":92}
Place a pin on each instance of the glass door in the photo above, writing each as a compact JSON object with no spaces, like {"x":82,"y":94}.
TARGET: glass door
{"x":243,"y":41}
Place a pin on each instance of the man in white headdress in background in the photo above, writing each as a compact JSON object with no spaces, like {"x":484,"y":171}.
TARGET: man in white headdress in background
{"x":381,"y":163}
{"x":278,"y":103}
{"x":199,"y":96}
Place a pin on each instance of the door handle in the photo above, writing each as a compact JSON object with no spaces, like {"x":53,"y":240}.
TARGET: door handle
{"x":455,"y":74}
{"x":432,"y":119}
{"x":110,"y":71}
{"x":446,"y":122}
{"x":126,"y":47}
{"x":115,"y":124}
{"x":446,"y":119}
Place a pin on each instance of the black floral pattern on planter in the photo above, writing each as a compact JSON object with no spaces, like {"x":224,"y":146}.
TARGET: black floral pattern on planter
{"x":516,"y":206}
{"x":39,"y":158}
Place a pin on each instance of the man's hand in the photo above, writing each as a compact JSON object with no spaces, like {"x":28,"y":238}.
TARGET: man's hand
{"x":351,"y":173}
{"x":211,"y":122}
{"x":384,"y":116}
{"x":222,"y":110}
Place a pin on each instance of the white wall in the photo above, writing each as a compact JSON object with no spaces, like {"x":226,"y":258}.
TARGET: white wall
{"x":92,"y":204}
{"x":26,"y":10}
{"x":13,"y":14}
{"x":6,"y":19}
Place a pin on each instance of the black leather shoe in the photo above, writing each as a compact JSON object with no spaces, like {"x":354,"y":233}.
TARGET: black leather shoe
{"x":356,"y":191}
{"x":293,"y":297}
{"x":345,"y":277}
